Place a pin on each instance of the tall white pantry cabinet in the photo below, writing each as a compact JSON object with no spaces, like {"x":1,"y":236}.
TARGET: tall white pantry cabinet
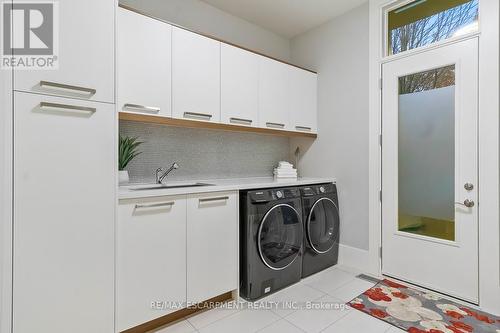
{"x":64,"y":124}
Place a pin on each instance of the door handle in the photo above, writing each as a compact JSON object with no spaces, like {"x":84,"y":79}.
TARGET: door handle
{"x":155,"y":205}
{"x":240,"y":120}
{"x":47,"y":105}
{"x":275,"y":125}
{"x":213,"y":199}
{"x":467,"y":203}
{"x":60,"y":86}
{"x":197,"y":115}
{"x":143,"y":108}
{"x":303,"y":128}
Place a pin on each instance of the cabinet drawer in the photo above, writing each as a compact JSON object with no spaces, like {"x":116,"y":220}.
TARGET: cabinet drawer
{"x":212,"y":245}
{"x":151,"y":258}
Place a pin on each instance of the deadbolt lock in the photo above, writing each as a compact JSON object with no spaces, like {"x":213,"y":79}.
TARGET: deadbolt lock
{"x":469,"y":186}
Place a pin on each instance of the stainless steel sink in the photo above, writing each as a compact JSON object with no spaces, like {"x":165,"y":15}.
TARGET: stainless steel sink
{"x":165,"y":186}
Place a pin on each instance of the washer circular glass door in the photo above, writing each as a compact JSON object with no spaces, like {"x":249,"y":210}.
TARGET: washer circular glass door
{"x":322,"y":225}
{"x":280,"y":236}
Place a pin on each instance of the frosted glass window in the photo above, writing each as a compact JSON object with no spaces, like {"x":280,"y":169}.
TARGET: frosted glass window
{"x":424,"y":22}
{"x":426,"y":153}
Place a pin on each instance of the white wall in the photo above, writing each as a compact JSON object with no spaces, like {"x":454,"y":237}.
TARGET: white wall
{"x":202,"y":17}
{"x":338,"y":50}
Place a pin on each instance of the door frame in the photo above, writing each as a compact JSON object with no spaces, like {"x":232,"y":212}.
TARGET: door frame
{"x":489,"y":146}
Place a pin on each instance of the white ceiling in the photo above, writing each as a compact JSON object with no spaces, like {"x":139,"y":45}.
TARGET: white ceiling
{"x":287,"y":18}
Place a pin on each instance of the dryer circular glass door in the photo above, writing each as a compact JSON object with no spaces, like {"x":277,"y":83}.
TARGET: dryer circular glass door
{"x":280,"y":236}
{"x":322,"y":225}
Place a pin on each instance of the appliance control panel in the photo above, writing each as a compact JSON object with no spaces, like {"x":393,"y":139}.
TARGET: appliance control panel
{"x":318,"y":189}
{"x":262,"y":196}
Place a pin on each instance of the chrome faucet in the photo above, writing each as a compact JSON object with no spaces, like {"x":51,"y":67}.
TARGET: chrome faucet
{"x":160,"y":178}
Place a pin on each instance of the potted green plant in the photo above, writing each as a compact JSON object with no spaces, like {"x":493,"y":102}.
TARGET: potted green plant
{"x":127,"y":151}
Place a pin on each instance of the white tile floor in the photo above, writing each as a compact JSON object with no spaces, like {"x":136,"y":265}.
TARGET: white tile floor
{"x":336,"y":285}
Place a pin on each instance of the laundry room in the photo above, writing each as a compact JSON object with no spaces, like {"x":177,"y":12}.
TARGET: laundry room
{"x":250,"y":166}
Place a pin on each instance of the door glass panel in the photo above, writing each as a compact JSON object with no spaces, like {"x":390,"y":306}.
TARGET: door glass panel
{"x":426,"y":153}
{"x":424,"y":22}
{"x":280,"y":237}
{"x":323,"y":225}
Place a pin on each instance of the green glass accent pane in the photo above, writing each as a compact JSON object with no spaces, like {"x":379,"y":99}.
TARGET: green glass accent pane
{"x":426,"y":153}
{"x":424,"y":22}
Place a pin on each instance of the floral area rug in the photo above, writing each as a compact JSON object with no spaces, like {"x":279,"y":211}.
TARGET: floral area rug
{"x":422,"y":312}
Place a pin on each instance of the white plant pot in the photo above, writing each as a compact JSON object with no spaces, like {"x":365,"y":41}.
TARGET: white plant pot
{"x":123,"y":177}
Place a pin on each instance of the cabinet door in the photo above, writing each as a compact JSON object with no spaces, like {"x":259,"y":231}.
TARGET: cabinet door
{"x":212,"y":245}
{"x":303,"y":95}
{"x":151,"y":259}
{"x":195,"y":76}
{"x":64,"y":199}
{"x":274,"y":99}
{"x":144,"y":52}
{"x":85,"y":32}
{"x":239,"y":86}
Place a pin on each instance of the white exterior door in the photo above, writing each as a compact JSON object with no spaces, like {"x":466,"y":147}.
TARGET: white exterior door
{"x":430,"y":169}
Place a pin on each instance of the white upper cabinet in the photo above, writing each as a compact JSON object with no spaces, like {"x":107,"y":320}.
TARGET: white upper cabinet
{"x":303,"y":98}
{"x":212,"y":245}
{"x":144,"y":49}
{"x":274,"y":97}
{"x":85,"y":55}
{"x":195,"y":76}
{"x":239,"y":86}
{"x":150,"y":258}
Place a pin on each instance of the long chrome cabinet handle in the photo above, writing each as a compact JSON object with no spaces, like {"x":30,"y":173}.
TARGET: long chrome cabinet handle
{"x":78,"y":89}
{"x":47,"y":105}
{"x":278,"y":125}
{"x":197,"y":115}
{"x":214,"y":199}
{"x":156,"y":205}
{"x":137,"y":107}
{"x":240,"y":120}
{"x":303,"y":128}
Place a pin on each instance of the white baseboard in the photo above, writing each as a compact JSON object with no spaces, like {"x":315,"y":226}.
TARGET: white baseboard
{"x":354,"y":257}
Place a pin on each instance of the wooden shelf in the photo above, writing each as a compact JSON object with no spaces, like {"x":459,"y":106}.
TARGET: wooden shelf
{"x":154,"y":119}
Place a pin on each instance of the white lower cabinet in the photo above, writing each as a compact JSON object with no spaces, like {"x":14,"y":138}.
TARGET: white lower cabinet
{"x":212,"y":245}
{"x":173,"y":250}
{"x":64,"y":204}
{"x":150,"y":259}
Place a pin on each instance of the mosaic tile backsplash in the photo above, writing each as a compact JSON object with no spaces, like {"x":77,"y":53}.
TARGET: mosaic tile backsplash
{"x":202,"y":154}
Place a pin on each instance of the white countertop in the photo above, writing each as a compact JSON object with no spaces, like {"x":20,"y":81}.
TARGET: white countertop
{"x":217,"y":185}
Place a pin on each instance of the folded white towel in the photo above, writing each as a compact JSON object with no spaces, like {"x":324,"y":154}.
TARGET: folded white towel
{"x":277,"y":172}
{"x":285,"y":178}
{"x":285,"y":165}
{"x":285,"y":170}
